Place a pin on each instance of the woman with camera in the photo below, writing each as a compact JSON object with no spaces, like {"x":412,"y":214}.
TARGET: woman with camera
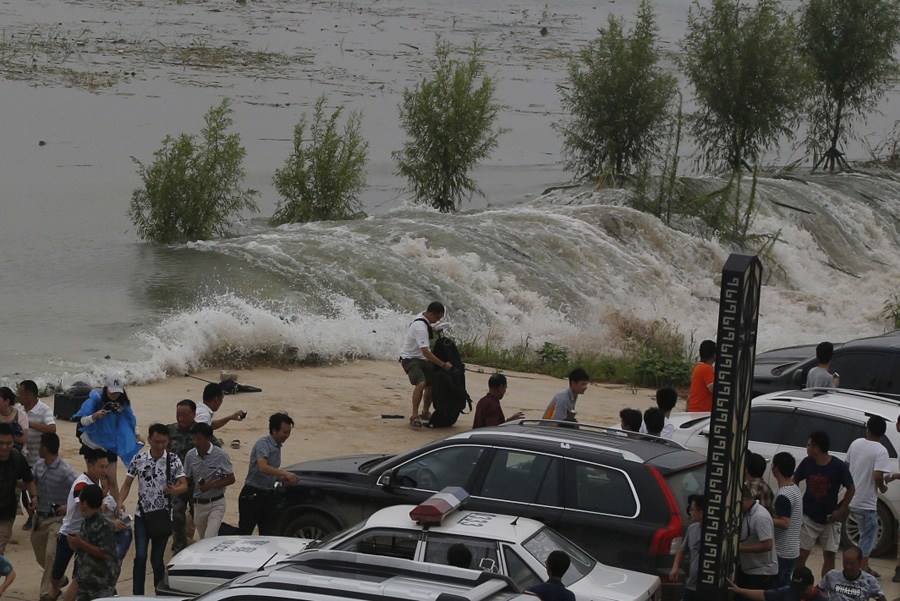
{"x":107,"y":423}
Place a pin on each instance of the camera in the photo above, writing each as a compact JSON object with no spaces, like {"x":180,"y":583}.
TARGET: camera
{"x":243,"y":415}
{"x":113,"y":407}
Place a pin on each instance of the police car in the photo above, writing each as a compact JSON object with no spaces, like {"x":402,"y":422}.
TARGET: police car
{"x":507,"y":545}
{"x":323,"y":575}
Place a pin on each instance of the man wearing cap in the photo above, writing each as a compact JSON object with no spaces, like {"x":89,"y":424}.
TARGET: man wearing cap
{"x":801,"y":588}
{"x":851,"y":583}
{"x":758,"y":564}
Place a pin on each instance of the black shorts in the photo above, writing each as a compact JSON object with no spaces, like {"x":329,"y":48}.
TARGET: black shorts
{"x":110,"y":455}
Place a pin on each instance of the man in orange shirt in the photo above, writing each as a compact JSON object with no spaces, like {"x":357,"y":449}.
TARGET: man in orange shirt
{"x":700,"y":396}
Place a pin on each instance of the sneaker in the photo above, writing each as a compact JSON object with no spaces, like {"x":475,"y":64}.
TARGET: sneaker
{"x":28,"y":524}
{"x":896,"y":577}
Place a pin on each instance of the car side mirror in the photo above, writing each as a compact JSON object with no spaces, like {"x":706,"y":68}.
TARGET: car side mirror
{"x":386,"y":480}
{"x":797,"y":378}
{"x":488,"y":565}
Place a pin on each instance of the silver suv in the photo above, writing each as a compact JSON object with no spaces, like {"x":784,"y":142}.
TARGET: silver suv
{"x":320,"y":575}
{"x":782,"y":421}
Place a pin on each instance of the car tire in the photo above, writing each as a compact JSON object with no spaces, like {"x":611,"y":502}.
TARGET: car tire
{"x":311,"y":525}
{"x":886,"y":531}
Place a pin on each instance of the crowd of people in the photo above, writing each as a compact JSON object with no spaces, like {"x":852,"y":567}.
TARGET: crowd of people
{"x":179,"y":472}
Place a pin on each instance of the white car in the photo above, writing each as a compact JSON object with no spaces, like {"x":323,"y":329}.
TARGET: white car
{"x":503,"y":544}
{"x":783,"y":421}
{"x":321,"y":575}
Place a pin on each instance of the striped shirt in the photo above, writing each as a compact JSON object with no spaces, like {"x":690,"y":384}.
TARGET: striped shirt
{"x":213,"y":466}
{"x":788,"y":502}
{"x":53,"y":483}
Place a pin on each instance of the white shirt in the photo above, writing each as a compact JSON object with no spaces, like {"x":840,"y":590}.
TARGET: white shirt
{"x":204,"y":414}
{"x":416,"y":339}
{"x":41,"y":413}
{"x":865,"y":457}
{"x":667,"y":432}
{"x":72,"y":522}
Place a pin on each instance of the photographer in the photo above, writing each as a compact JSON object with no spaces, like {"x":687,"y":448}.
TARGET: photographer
{"x":108,"y":424}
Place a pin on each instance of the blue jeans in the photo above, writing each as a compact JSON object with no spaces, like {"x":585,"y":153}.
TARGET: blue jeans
{"x":157,"y":556}
{"x":123,"y":542}
{"x":867,"y":520}
{"x":785,"y":568}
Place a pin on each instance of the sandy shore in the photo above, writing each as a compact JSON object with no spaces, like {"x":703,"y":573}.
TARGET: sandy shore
{"x":338,"y":411}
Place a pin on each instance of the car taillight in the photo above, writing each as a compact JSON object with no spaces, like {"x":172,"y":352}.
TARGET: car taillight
{"x":666,"y":541}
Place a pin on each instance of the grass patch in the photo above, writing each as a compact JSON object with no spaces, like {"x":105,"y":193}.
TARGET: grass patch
{"x":646,"y":367}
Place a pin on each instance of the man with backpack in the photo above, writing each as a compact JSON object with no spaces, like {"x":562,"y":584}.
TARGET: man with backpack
{"x":419,"y":362}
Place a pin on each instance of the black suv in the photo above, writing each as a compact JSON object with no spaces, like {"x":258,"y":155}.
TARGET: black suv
{"x":870,"y":364}
{"x":622,"y":499}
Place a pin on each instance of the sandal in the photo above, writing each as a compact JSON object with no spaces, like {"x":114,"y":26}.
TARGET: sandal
{"x":415,"y":421}
{"x":425,"y":417}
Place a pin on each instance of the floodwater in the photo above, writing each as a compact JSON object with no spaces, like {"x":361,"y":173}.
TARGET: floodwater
{"x":89,"y":85}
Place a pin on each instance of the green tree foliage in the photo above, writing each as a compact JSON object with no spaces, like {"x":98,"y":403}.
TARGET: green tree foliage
{"x":322,"y":179}
{"x":618,"y":99}
{"x":851,"y":47}
{"x":192,"y":189}
{"x":748,"y":77}
{"x":450,"y":121}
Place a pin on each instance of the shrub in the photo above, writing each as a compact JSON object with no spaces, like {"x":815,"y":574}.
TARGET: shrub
{"x":851,"y":47}
{"x":449,"y":120}
{"x":618,"y":98}
{"x":322,"y":178}
{"x":749,"y":79}
{"x":192,"y":189}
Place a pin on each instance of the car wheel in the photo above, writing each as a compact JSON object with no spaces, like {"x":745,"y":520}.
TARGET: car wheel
{"x":885,"y":537}
{"x":311,"y":525}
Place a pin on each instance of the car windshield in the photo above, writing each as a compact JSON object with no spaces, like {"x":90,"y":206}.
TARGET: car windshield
{"x":367,"y":466}
{"x":686,"y":483}
{"x":333,"y":539}
{"x":545,"y":541}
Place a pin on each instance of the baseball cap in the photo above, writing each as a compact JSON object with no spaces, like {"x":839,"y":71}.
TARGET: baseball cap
{"x":115,"y":384}
{"x":802,"y":578}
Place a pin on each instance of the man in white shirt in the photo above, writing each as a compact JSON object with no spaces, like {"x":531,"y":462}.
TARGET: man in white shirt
{"x":419,"y":362}
{"x":40,"y":421}
{"x":869,"y":462}
{"x":213,"y":397}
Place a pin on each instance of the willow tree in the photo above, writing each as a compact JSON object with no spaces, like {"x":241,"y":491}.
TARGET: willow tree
{"x":450,"y":119}
{"x":192,"y":189}
{"x":850,"y":45}
{"x":618,"y":99}
{"x":744,"y":64}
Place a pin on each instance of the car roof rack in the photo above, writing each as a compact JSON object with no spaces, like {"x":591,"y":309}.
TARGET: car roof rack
{"x":883,"y":397}
{"x":577,"y":433}
{"x":484,"y":583}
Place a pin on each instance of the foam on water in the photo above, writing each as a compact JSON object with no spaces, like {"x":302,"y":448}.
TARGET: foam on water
{"x":573,"y":267}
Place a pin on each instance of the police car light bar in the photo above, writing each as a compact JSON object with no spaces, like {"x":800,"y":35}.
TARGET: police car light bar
{"x":436,"y":507}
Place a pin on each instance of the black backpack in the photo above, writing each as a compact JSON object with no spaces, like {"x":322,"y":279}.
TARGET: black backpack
{"x":448,"y":389}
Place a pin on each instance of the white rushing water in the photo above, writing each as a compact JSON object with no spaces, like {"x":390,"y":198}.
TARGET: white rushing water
{"x":81,"y":294}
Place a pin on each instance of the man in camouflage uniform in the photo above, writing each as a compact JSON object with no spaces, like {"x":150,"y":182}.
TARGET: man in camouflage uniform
{"x":180,"y":442}
{"x":96,"y":562}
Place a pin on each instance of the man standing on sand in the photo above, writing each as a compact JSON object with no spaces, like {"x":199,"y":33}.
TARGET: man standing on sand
{"x":562,"y":407}
{"x":210,"y":470}
{"x":256,"y":498}
{"x":820,"y":376}
{"x":488,"y":411}
{"x":419,"y":362}
{"x":13,"y":468}
{"x":869,"y":463}
{"x":54,"y":478}
{"x":700,"y":396}
{"x":822,"y":514}
{"x":213,"y":397}
{"x":180,"y":442}
{"x":40,"y":421}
